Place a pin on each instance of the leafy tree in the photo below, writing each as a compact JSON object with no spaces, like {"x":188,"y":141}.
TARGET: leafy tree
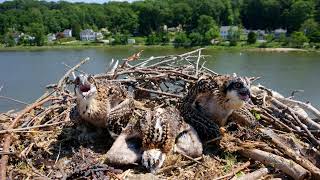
{"x":270,"y":37}
{"x":196,"y":39}
{"x":181,"y":40}
{"x":125,"y":21}
{"x":164,"y":37}
{"x":297,"y":39}
{"x":182,"y":13}
{"x":76,"y":29}
{"x":120,"y":39}
{"x":315,"y":37}
{"x":261,"y":14}
{"x":9,"y":40}
{"x":252,"y":37}
{"x":317,"y":11}
{"x":158,"y":38}
{"x":299,"y":12}
{"x":309,"y":27}
{"x":38,"y":32}
{"x":234,"y":36}
{"x":205,"y":23}
{"x":152,"y":39}
{"x":212,"y":33}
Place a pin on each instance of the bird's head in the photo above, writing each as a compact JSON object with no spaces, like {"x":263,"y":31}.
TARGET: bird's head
{"x":84,"y":86}
{"x":153,"y":160}
{"x":237,"y":91}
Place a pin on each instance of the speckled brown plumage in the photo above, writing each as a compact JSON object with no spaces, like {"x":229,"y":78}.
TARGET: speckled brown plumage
{"x":160,"y":128}
{"x":207,"y":105}
{"x":110,"y":106}
{"x":243,"y":117}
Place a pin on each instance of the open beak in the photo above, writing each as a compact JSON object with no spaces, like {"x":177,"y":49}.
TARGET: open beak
{"x":244,"y":94}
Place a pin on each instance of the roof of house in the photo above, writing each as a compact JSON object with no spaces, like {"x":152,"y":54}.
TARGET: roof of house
{"x":280,"y":30}
{"x":87,"y":31}
{"x":67,"y":30}
{"x":227,"y":28}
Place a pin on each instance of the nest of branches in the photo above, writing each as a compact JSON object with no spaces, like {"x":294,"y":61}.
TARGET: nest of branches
{"x":43,"y":141}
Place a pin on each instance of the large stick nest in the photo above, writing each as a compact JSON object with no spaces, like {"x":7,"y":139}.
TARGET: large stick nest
{"x":43,"y":141}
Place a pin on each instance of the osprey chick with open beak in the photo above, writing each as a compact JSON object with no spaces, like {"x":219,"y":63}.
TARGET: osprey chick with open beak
{"x":102,"y":103}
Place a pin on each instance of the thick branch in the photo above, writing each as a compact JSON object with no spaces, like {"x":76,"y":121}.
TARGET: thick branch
{"x":289,"y":167}
{"x":291,"y":153}
{"x":257,"y":174}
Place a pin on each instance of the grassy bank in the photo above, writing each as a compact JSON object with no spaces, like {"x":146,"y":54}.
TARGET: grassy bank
{"x":240,"y":47}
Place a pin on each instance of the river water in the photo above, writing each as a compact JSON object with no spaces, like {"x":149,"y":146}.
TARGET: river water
{"x":24,"y":74}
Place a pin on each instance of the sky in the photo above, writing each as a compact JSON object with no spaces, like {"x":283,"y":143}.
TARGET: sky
{"x":88,"y":1}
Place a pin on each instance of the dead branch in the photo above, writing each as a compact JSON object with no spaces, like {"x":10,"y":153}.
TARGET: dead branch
{"x":307,"y":121}
{"x":257,"y":174}
{"x":31,"y":127}
{"x":14,"y":100}
{"x":291,"y":153}
{"x":7,"y":138}
{"x":287,"y":166}
{"x":305,"y":106}
{"x":159,"y":92}
{"x":67,"y":74}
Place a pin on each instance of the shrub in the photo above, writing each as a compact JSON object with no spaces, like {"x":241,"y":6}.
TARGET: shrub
{"x":120,"y":39}
{"x":297,"y":39}
{"x":195,"y":39}
{"x":181,"y":40}
{"x":252,"y":37}
{"x":212,"y":33}
{"x":152,"y":39}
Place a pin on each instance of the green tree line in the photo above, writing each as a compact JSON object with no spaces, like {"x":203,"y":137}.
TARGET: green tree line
{"x":199,"y":19}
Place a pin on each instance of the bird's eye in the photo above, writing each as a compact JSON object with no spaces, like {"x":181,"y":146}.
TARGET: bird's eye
{"x":157,"y":161}
{"x":77,"y":81}
{"x":90,"y":79}
{"x":237,"y":85}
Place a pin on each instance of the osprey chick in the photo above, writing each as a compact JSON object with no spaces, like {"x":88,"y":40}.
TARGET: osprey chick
{"x":164,"y":131}
{"x":161,"y":131}
{"x":102,"y":103}
{"x":211,"y":101}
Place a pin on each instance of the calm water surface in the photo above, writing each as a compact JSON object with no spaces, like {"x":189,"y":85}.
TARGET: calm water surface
{"x":24,"y":74}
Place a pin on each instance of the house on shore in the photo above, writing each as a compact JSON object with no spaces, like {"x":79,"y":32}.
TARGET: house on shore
{"x":226,"y":31}
{"x":131,"y":41}
{"x":67,"y":33}
{"x":51,"y":37}
{"x":279,"y":32}
{"x":90,"y":35}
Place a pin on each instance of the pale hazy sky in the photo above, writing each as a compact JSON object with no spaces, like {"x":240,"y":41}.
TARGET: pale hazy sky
{"x":88,"y":1}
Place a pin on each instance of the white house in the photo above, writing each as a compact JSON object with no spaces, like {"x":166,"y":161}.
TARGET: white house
{"x":67,"y":33}
{"x":131,"y":41}
{"x":90,"y":35}
{"x":226,"y":30}
{"x":51,"y":37}
{"x":173,"y":29}
{"x":279,"y":32}
{"x":87,"y":35}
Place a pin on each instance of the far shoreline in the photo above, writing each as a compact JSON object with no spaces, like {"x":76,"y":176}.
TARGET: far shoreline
{"x":244,"y":48}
